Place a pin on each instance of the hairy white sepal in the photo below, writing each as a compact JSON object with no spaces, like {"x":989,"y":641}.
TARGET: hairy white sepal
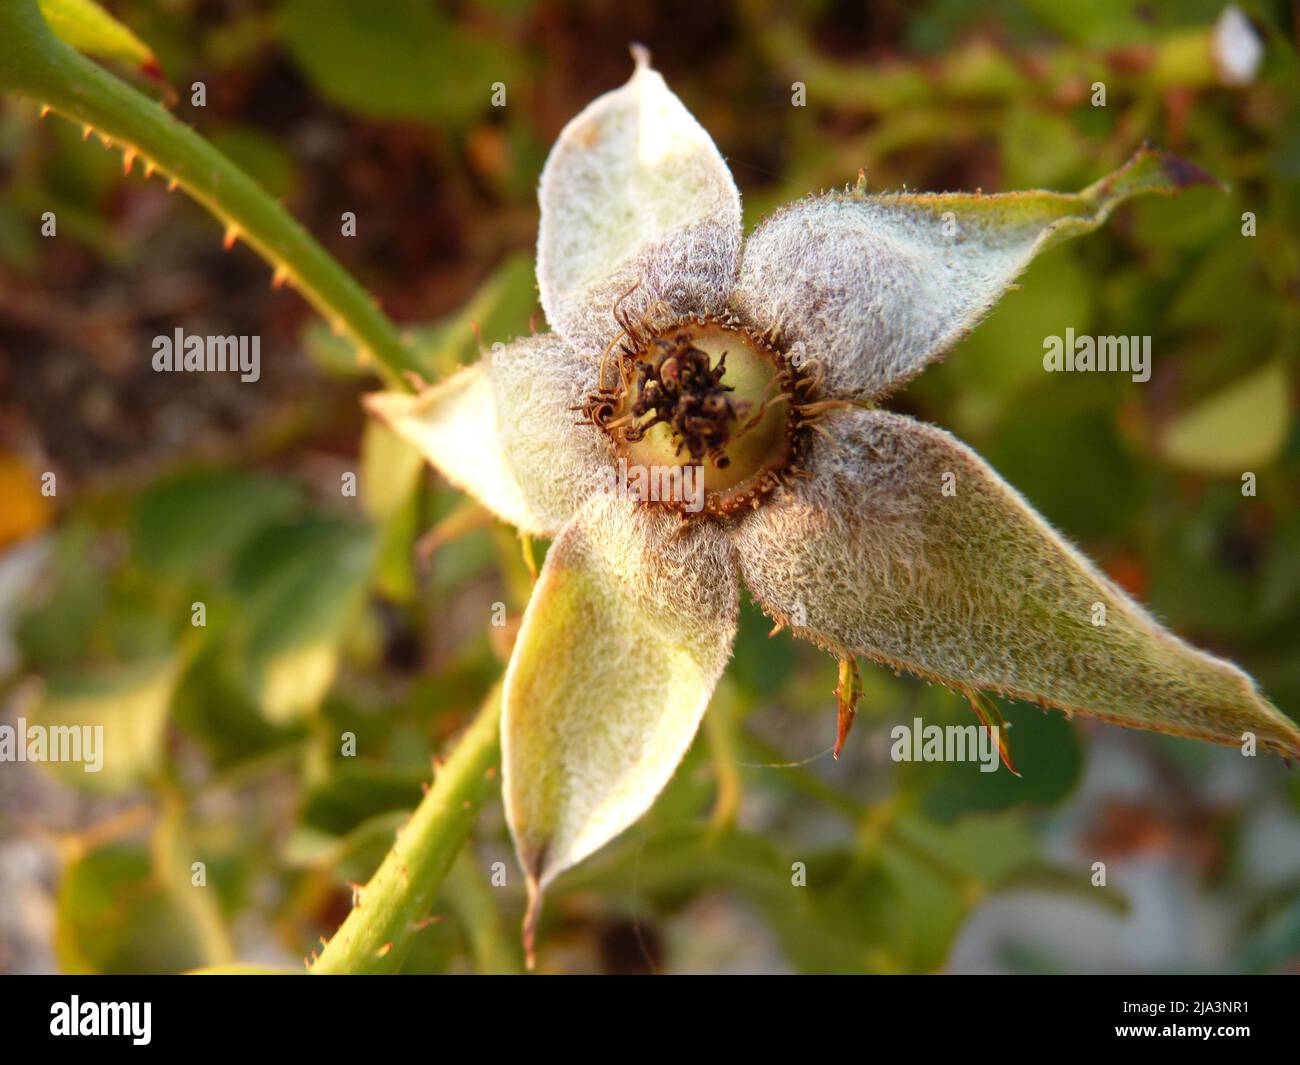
{"x":875,"y":287}
{"x":907,"y":548}
{"x":634,"y":193}
{"x":503,"y":431}
{"x":626,"y":634}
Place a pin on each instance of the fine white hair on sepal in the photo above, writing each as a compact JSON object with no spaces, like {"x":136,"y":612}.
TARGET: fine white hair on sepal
{"x":876,"y":287}
{"x":503,"y":430}
{"x":906,"y":547}
{"x":634,"y":193}
{"x":628,"y":629}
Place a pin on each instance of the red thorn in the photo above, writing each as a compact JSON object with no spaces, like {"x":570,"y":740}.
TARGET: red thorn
{"x":847,"y":694}
{"x":1004,"y":748}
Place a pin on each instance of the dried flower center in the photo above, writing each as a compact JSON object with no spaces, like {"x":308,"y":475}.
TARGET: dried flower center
{"x":704,"y":415}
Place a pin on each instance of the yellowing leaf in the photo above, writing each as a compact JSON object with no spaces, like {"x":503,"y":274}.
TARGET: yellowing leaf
{"x":113,"y":722}
{"x":88,"y":28}
{"x":1245,"y":425}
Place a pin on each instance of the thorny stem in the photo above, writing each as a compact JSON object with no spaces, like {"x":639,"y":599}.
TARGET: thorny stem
{"x":36,"y":64}
{"x":395,"y":903}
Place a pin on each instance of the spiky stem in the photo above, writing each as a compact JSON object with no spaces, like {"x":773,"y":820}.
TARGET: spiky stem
{"x":396,"y":901}
{"x":36,"y":64}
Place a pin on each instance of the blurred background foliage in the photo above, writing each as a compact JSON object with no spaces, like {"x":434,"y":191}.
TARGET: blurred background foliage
{"x":329,"y":614}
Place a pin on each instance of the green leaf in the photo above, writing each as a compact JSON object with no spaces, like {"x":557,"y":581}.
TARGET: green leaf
{"x":932,"y":900}
{"x":1045,"y":748}
{"x":993,"y":368}
{"x":390,"y":478}
{"x":400,"y":892}
{"x":175,"y":853}
{"x":298,"y":586}
{"x":352,"y":794}
{"x":1244,"y":426}
{"x":88,"y":28}
{"x":500,"y":310}
{"x":411,"y":62}
{"x":128,"y":705}
{"x":114,"y":915}
{"x":264,"y":158}
{"x":192,"y":519}
{"x":1039,"y":439}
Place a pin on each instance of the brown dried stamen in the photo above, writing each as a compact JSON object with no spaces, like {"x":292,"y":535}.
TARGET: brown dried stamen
{"x":709,"y":393}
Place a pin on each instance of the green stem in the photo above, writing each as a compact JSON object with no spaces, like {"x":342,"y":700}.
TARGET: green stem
{"x":397,"y":898}
{"x":36,"y":64}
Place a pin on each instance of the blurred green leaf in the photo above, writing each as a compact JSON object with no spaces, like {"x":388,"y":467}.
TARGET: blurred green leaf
{"x":297,"y":587}
{"x":1002,"y":359}
{"x":390,"y":478}
{"x":88,"y":28}
{"x":191,"y":892}
{"x":195,"y":518}
{"x":1045,"y":749}
{"x":352,"y":794}
{"x":129,"y":704}
{"x":115,"y":916}
{"x":933,"y":897}
{"x":1064,"y":453}
{"x":1243,"y":427}
{"x":498,"y":312}
{"x":414,"y":62}
{"x":760,"y":664}
{"x":260,"y":156}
